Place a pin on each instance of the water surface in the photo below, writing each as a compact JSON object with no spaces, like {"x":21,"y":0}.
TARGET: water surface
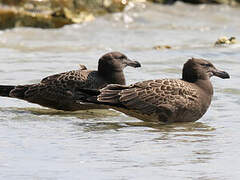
{"x":40,"y":143}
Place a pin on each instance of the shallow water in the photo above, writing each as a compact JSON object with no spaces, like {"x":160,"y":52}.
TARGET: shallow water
{"x":40,"y":143}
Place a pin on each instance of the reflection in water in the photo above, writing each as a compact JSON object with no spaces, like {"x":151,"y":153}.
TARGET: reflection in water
{"x":231,"y":91}
{"x":180,"y":129}
{"x":100,"y":126}
{"x":174,"y":127}
{"x":84,"y":114}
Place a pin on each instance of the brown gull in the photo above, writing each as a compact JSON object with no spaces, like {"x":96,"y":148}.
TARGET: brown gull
{"x":59,"y":91}
{"x":164,"y":100}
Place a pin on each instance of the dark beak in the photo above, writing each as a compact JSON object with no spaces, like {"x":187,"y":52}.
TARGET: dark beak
{"x":132,"y":63}
{"x":221,"y":74}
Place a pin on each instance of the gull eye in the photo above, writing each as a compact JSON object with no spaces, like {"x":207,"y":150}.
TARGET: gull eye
{"x":206,"y":65}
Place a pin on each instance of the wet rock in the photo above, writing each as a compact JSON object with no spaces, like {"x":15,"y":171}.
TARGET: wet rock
{"x":14,"y":17}
{"x":57,"y":13}
{"x":230,"y":2}
{"x":160,"y":47}
{"x":222,"y":41}
{"x":54,"y":13}
{"x":163,"y":1}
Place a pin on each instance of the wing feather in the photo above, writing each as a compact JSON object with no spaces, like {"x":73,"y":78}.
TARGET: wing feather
{"x":158,"y":97}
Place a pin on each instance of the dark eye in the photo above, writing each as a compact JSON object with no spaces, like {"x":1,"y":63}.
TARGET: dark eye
{"x":206,"y":65}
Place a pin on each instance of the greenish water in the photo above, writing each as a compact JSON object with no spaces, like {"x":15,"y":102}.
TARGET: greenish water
{"x":40,"y":143}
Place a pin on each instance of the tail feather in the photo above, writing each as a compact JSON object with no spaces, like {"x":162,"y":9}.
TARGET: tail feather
{"x":5,"y":90}
{"x":108,"y":95}
{"x":19,"y":91}
{"x":111,"y":94}
{"x":91,"y":92}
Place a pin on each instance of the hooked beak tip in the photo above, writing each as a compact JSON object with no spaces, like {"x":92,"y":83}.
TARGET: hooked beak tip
{"x":133,"y":63}
{"x":137,"y":64}
{"x":221,"y":74}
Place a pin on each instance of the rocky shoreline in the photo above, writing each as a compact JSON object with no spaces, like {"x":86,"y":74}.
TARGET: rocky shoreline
{"x":57,"y":13}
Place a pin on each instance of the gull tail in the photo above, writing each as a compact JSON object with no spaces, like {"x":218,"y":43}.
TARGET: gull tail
{"x":5,"y":90}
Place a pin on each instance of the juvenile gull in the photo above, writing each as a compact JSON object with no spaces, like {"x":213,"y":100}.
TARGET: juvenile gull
{"x":59,"y":91}
{"x":165,"y":100}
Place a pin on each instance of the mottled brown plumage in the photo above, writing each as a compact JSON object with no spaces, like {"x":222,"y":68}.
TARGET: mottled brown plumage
{"x":59,"y":91}
{"x":166,"y":100}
